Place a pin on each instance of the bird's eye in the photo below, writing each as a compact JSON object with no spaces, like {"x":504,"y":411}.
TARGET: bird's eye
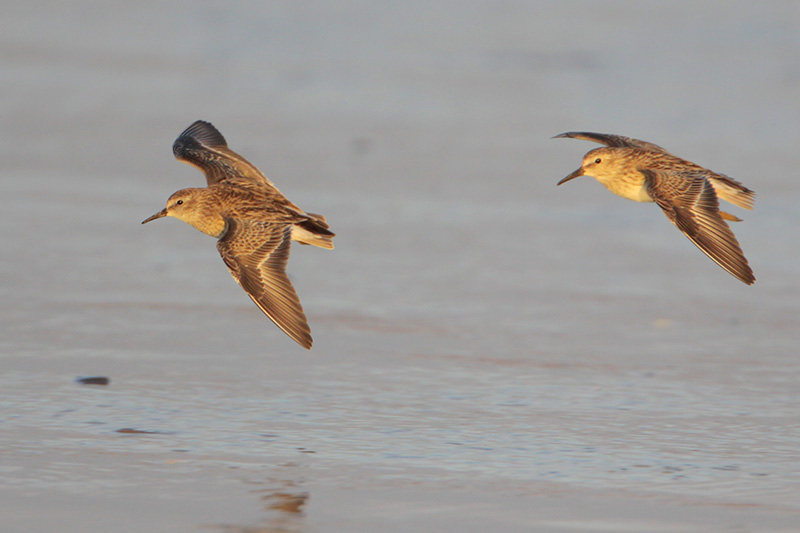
{"x":597,"y":160}
{"x":179,"y":202}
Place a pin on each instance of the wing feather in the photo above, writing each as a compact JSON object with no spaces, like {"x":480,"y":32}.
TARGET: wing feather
{"x":610,"y":139}
{"x":256,"y":254}
{"x":203,"y":146}
{"x":689,"y":201}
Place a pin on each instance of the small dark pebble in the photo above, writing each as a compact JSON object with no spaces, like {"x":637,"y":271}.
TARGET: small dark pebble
{"x":139,"y":431}
{"x":303,"y":450}
{"x":94,"y":380}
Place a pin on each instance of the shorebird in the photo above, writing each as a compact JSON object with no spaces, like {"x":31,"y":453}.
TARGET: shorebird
{"x":687,"y":193}
{"x":253,"y":221}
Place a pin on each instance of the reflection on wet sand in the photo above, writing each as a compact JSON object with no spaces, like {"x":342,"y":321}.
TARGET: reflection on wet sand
{"x":285,"y":511}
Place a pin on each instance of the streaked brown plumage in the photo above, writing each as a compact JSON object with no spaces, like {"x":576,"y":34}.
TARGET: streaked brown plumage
{"x":687,"y":193}
{"x":253,"y":221}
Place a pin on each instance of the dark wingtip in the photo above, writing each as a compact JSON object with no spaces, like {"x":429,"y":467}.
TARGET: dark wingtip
{"x":204,"y":133}
{"x":602,"y":138}
{"x":747,"y":278}
{"x":303,"y":337}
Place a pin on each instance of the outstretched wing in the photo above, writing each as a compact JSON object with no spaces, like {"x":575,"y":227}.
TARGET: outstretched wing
{"x":203,"y":146}
{"x":689,"y":201}
{"x":612,"y":140}
{"x":256,"y":254}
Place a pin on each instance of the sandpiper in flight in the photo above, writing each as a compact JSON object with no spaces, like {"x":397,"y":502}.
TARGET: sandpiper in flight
{"x":687,"y":193}
{"x":253,"y":221}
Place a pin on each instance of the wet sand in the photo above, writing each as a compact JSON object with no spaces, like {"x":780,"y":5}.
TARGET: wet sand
{"x":491,"y":352}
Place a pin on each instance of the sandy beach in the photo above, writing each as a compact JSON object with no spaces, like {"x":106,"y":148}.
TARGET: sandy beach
{"x":492,"y":352}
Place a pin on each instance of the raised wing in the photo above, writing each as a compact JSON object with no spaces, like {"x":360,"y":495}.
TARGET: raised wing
{"x":612,"y":140}
{"x":689,"y":202}
{"x":203,"y":146}
{"x":256,"y":254}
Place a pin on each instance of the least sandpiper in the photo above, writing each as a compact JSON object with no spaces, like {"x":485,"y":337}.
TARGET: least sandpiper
{"x":253,"y":221}
{"x":687,"y":193}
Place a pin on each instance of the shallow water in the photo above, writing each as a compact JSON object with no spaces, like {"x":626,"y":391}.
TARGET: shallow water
{"x":491,"y":352}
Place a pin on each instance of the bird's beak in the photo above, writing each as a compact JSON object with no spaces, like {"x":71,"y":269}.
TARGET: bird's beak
{"x":578,"y":173}
{"x":160,"y":214}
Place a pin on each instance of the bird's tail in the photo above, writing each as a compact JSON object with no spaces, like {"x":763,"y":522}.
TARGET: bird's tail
{"x":728,"y":216}
{"x":732,"y":191}
{"x":314,"y":231}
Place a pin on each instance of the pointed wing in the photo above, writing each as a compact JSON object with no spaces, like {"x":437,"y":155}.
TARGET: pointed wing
{"x":256,"y":254}
{"x":612,"y":140}
{"x":203,"y":146}
{"x":689,"y":201}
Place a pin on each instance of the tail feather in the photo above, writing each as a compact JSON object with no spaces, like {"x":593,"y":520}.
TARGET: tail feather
{"x":319,"y":219}
{"x":314,"y":231}
{"x":732,"y":191}
{"x":728,"y":216}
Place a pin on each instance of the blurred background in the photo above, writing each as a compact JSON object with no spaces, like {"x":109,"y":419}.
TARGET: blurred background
{"x":485,"y":343}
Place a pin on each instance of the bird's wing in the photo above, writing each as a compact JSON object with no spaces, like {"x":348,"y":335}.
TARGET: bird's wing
{"x":203,"y":146}
{"x":256,"y":254}
{"x":689,"y":201}
{"x":612,"y":140}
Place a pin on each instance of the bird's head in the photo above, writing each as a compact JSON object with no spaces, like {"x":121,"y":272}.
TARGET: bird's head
{"x":195,"y":207}
{"x":601,"y":163}
{"x":180,"y":205}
